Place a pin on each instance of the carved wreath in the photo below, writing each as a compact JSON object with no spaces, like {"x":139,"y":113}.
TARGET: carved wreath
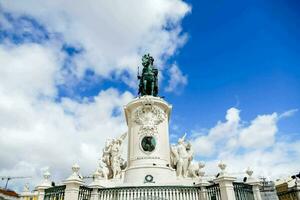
{"x":148,"y":117}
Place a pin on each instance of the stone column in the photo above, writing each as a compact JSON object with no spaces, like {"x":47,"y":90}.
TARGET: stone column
{"x":73,"y":183}
{"x":202,"y":183}
{"x":203,"y":193}
{"x":94,"y":195}
{"x":255,"y":184}
{"x":147,"y":119}
{"x":98,"y":182}
{"x":256,"y":192}
{"x":25,"y":192}
{"x":46,"y":183}
{"x":226,"y":183}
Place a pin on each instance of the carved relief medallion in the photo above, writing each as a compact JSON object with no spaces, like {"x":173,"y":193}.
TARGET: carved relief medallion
{"x":148,"y":143}
{"x":148,"y":116}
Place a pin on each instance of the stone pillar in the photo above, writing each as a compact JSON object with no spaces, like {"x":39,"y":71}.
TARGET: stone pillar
{"x":203,"y":192}
{"x":46,"y":183}
{"x":148,"y":160}
{"x":202,"y":183}
{"x":97,"y":183}
{"x":255,"y":184}
{"x":94,"y":195}
{"x":256,"y":190}
{"x":226,"y":183}
{"x":73,"y":183}
{"x":27,"y":194}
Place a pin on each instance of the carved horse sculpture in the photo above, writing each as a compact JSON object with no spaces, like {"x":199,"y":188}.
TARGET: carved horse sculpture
{"x":148,"y":81}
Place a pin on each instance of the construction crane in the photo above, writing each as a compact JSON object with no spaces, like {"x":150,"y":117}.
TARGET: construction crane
{"x":8,"y":178}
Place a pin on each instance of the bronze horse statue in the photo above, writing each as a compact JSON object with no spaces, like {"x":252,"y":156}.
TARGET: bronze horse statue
{"x":148,"y":81}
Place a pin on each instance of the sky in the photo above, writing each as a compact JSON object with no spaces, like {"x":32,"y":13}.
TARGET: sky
{"x":229,"y":68}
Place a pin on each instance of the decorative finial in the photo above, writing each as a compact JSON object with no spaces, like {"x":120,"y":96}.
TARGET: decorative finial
{"x":46,"y":175}
{"x":46,"y":179}
{"x":26,"y":187}
{"x":222,"y":166}
{"x":200,"y":172}
{"x":201,"y":165}
{"x":75,"y":169}
{"x":75,"y":175}
{"x":249,"y":172}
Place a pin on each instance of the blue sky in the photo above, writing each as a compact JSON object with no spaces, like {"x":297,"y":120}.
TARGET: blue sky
{"x":67,"y":72}
{"x":243,"y":54}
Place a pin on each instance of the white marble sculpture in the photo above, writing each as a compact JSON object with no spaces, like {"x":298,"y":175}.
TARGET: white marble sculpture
{"x":148,"y":116}
{"x":181,"y":157}
{"x":194,"y":169}
{"x":103,"y":170}
{"x":111,"y":157}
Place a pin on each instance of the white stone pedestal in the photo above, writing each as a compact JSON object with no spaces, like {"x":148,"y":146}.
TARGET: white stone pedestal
{"x":226,"y":187}
{"x":256,"y":192}
{"x":203,"y":194}
{"x":255,"y":184}
{"x":43,"y":185}
{"x":41,"y":191}
{"x":73,"y":184}
{"x":148,"y":116}
{"x":72,"y":189}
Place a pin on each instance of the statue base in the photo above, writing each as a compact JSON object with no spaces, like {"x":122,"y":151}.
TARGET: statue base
{"x":149,"y":175}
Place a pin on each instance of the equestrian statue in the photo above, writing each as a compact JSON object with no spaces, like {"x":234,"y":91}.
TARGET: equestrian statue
{"x":148,"y":80}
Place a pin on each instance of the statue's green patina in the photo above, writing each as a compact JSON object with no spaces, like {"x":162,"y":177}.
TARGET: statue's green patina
{"x":148,"y":143}
{"x":148,"y":80}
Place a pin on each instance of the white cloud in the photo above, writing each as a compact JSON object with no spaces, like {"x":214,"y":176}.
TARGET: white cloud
{"x":288,"y":113}
{"x":36,"y":131}
{"x":29,"y":70}
{"x":177,"y":79}
{"x":114,"y":34}
{"x":261,"y":132}
{"x":254,"y":145}
{"x":43,"y":133}
{"x":206,"y":144}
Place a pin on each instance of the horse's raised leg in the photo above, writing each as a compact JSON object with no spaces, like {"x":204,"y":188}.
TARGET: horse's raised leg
{"x":152,"y":88}
{"x":145,"y":87}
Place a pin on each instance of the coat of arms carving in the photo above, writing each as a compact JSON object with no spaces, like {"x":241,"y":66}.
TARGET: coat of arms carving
{"x":149,"y":116}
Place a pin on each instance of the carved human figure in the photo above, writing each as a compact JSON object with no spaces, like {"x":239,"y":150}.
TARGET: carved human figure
{"x":115,"y":148}
{"x":116,"y":167}
{"x":111,"y":156}
{"x":106,"y":152}
{"x":183,"y":162}
{"x":181,"y":157}
{"x":190,"y":152}
{"x":103,"y":170}
{"x":195,"y":169}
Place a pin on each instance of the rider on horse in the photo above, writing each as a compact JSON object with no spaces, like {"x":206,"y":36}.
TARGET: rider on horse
{"x":148,"y":81}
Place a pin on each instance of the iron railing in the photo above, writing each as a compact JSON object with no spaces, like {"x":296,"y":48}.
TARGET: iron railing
{"x":55,"y":193}
{"x":84,"y":193}
{"x":150,"y":193}
{"x":243,"y":191}
{"x":213,"y":192}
